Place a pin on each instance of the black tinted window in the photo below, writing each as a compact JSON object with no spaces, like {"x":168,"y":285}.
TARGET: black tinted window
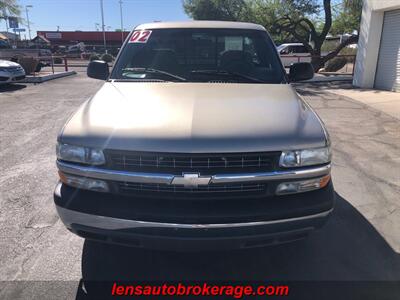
{"x":183,"y":52}
{"x":300,"y":49}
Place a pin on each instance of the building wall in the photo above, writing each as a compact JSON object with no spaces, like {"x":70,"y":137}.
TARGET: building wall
{"x":87,"y":37}
{"x":10,"y":35}
{"x":369,"y":40}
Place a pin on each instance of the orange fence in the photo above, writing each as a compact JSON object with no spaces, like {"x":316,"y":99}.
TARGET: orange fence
{"x":46,"y":60}
{"x":53,"y":58}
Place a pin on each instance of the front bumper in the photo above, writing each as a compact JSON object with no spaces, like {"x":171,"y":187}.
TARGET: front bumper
{"x":253,"y":223}
{"x":11,"y":77}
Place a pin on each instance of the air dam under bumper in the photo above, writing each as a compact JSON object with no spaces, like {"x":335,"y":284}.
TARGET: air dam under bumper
{"x":106,"y":227}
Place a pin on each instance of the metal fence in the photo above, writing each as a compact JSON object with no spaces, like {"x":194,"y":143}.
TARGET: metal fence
{"x":348,"y":68}
{"x":53,"y":58}
{"x":68,"y":62}
{"x":45,"y":60}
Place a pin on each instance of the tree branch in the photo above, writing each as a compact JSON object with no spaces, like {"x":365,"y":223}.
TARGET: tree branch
{"x":310,"y":25}
{"x":287,"y":24}
{"x":351,"y":40}
{"x":328,"y":19}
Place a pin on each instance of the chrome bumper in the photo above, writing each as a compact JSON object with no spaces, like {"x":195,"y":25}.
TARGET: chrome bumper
{"x":70,"y":217}
{"x":159,"y":178}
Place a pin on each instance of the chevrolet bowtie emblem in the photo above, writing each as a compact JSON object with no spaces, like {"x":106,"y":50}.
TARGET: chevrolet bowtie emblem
{"x":191,"y":180}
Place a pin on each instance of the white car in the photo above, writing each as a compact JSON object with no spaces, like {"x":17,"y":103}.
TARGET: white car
{"x":292,"y":53}
{"x":10,"y":72}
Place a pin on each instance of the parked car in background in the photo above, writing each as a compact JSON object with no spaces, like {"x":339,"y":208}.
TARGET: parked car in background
{"x":10,"y":72}
{"x":290,"y":53}
{"x":4,"y":44}
{"x":42,"y":55}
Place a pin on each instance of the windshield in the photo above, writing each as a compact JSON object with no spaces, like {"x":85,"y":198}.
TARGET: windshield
{"x":199,"y":55}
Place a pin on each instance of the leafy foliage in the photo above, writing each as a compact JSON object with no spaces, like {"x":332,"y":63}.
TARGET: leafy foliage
{"x":305,"y":21}
{"x":94,"y":57}
{"x":335,"y":64}
{"x":9,"y":8}
{"x":347,"y":17}
{"x":223,"y":10}
{"x":28,"y":63}
{"x":107,"y":57}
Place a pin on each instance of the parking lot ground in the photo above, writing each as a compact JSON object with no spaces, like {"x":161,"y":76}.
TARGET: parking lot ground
{"x":385,"y":101}
{"x":33,"y":242}
{"x":366,"y":149}
{"x":360,"y":242}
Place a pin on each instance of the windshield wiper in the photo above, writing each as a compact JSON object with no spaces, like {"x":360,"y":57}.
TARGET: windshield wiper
{"x":153,"y":71}
{"x":227,"y":73}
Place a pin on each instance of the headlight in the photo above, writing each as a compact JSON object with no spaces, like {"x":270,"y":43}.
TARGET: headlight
{"x":307,"y":157}
{"x":85,"y":183}
{"x":302,"y":185}
{"x":80,"y":154}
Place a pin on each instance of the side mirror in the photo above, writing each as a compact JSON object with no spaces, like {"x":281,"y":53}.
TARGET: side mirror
{"x":301,"y":71}
{"x":98,"y":69}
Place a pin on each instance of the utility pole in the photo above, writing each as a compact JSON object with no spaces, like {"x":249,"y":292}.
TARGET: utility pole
{"x":102,"y":25}
{"x":6,"y":20}
{"x":27,"y":18}
{"x":122,"y":23}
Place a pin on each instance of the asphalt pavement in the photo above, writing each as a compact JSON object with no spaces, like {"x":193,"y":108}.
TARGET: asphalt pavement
{"x":360,"y":242}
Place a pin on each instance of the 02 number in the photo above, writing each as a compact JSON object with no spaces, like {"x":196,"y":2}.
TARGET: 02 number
{"x":140,"y":36}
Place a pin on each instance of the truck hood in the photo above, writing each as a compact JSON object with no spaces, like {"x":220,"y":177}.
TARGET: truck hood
{"x":195,"y":117}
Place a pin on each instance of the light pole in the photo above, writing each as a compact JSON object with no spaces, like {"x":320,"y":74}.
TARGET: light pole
{"x":102,"y":25}
{"x":122,"y":23}
{"x":27,"y":18}
{"x":6,"y":20}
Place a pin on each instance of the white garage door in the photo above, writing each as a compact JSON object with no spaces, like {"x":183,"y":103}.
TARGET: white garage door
{"x":388,"y":68}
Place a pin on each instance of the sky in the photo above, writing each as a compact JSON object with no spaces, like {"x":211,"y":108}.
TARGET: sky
{"x":73,"y":15}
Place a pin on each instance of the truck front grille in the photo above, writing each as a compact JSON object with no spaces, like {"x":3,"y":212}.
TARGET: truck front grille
{"x":176,"y":163}
{"x":216,"y":190}
{"x":14,"y":69}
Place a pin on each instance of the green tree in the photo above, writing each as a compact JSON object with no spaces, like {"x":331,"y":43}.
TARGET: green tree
{"x":305,"y":21}
{"x":265,"y":12}
{"x":313,"y":33}
{"x":9,"y":8}
{"x":347,"y":17}
{"x":270,"y":12}
{"x":222,"y":10}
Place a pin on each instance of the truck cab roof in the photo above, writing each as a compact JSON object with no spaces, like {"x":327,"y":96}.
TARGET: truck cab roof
{"x":200,"y":24}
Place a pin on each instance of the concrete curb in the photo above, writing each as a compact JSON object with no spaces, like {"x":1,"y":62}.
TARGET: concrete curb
{"x":40,"y":79}
{"x":327,"y":79}
{"x":322,"y":82}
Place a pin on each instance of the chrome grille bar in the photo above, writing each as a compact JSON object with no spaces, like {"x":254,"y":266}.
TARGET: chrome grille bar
{"x":224,"y":188}
{"x":162,"y":178}
{"x":141,"y":161}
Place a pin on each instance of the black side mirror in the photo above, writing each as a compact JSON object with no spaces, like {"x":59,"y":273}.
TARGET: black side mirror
{"x":301,"y":71}
{"x":98,"y":69}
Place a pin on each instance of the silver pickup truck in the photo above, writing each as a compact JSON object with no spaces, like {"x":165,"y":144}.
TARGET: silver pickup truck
{"x":196,"y":141}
